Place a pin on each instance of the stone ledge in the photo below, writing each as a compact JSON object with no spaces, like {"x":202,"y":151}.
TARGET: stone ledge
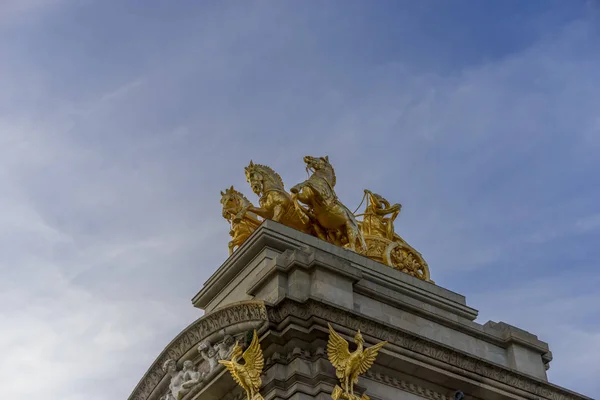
{"x":320,"y":354}
{"x":423,"y":305}
{"x":458,"y":362}
{"x":500,"y":334}
{"x":280,"y":238}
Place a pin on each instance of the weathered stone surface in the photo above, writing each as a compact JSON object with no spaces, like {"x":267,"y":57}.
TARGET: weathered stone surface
{"x":235,"y":315}
{"x":291,"y":285}
{"x":418,"y":348}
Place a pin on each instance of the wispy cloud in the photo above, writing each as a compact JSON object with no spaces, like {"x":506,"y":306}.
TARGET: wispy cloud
{"x":115,"y":144}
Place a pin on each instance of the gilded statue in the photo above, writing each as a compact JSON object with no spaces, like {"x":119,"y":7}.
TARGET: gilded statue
{"x":236,"y":210}
{"x":331,"y":215}
{"x":313,"y":207}
{"x":384,"y":244}
{"x":275,"y":203}
{"x":376,"y":221}
{"x":247,"y":375}
{"x":348,"y":366}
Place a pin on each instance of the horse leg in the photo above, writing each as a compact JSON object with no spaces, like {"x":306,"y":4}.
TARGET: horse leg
{"x":356,"y":240}
{"x":261,"y":212}
{"x":296,"y":189}
{"x":231,"y":245}
{"x":304,"y":218}
{"x":351,"y":234}
{"x":278,"y":212}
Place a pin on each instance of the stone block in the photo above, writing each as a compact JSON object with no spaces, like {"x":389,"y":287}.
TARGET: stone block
{"x":289,"y":286}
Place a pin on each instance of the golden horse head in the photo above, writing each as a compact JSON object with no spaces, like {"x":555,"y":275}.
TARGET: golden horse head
{"x":321,"y":166}
{"x":232,"y":202}
{"x":262,"y":178}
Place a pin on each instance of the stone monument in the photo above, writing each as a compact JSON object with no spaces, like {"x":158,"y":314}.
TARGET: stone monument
{"x":317,"y":302}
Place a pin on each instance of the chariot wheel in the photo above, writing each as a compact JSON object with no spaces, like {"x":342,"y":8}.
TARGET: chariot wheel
{"x":376,"y":246}
{"x":401,"y":256}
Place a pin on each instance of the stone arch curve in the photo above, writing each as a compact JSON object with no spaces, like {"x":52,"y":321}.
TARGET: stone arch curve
{"x":231,"y":319}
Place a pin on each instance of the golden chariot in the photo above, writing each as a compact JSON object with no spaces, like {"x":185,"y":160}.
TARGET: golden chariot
{"x":313,"y":207}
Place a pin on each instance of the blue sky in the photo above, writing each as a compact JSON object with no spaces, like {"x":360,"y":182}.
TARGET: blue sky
{"x":120,"y":121}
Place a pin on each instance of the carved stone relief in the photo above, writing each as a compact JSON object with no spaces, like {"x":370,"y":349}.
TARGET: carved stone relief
{"x":419,"y":345}
{"x":192,"y":336}
{"x":185,"y":381}
{"x":195,"y":335}
{"x":181,"y":381}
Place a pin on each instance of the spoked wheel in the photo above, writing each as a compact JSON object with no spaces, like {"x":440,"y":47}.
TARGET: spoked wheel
{"x":404,"y":258}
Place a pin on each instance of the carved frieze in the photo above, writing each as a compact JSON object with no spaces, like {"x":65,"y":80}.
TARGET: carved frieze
{"x":193,"y":335}
{"x":417,"y":344}
{"x":196,"y":334}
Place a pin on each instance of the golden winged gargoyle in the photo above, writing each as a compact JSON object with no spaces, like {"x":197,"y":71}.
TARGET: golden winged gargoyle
{"x":348,"y":366}
{"x":247,"y":375}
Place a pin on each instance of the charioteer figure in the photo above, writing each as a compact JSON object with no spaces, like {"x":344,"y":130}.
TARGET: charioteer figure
{"x":375,"y":222}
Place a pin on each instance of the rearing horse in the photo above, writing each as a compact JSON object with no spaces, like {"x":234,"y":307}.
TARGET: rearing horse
{"x":275,"y":203}
{"x":318,"y":194}
{"x":233,"y":203}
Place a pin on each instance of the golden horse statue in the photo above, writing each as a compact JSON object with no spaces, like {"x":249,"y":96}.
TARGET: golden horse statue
{"x":234,"y":203}
{"x":314,"y":208}
{"x":275,"y":203}
{"x":318,"y":193}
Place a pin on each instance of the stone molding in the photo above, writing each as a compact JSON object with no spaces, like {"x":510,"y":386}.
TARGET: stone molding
{"x":191,"y":336}
{"x":406,"y":386}
{"x":416,"y":344}
{"x":253,"y":311}
{"x":237,"y":394}
{"x":321,"y":353}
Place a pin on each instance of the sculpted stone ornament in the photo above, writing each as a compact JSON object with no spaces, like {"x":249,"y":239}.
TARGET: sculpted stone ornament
{"x":209,"y":354}
{"x":190,"y":378}
{"x":252,"y":312}
{"x":348,"y":366}
{"x":314,"y":208}
{"x":247,"y":375}
{"x":225,"y":348}
{"x":212,"y":354}
{"x":181,"y":381}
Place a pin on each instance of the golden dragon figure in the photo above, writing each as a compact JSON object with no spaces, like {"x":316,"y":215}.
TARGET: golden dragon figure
{"x":247,"y":375}
{"x":348,"y":366}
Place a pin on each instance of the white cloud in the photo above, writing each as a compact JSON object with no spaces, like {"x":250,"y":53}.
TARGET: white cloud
{"x":588,"y":223}
{"x":110,"y":221}
{"x":14,"y":10}
{"x":561,"y":311}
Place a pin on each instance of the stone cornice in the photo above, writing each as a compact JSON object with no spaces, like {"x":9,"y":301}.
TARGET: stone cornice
{"x":285,"y":359}
{"x":264,"y":236}
{"x":443,"y":354}
{"x":191,"y":336}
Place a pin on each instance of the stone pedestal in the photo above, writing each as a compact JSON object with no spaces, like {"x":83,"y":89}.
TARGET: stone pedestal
{"x":289,"y":286}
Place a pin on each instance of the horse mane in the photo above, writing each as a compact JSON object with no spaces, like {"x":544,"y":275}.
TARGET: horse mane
{"x":332,"y":170}
{"x":271,"y":172}
{"x":239,"y":194}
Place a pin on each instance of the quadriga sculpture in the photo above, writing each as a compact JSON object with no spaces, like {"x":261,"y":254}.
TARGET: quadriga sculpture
{"x":314,"y":208}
